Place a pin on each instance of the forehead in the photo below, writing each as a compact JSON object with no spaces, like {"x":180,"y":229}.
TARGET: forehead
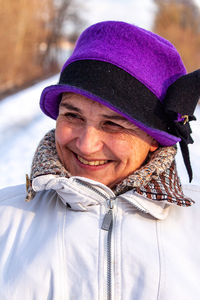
{"x":83,"y":102}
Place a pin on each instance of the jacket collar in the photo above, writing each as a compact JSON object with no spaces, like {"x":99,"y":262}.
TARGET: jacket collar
{"x":156,"y":180}
{"x":82,"y":194}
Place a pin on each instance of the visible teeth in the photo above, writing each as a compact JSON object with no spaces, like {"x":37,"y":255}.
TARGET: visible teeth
{"x":92,"y":163}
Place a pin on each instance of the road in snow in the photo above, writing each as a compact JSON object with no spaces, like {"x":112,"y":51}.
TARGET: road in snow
{"x":22,"y":125}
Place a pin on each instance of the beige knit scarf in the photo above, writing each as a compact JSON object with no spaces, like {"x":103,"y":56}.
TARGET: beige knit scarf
{"x":157,"y":179}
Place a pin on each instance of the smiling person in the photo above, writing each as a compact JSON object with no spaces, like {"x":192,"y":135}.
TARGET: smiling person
{"x":106,"y":216}
{"x":94,"y":142}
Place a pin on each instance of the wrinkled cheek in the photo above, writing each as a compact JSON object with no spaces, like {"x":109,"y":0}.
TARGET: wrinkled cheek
{"x":59,"y":138}
{"x":62,"y":135}
{"x":135,"y":156}
{"x":123,"y":152}
{"x":62,"y":153}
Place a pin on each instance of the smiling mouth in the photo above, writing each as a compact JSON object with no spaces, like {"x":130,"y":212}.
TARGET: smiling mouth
{"x":92,"y":162}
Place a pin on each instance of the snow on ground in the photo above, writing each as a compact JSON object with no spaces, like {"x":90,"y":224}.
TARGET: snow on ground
{"x":22,"y":125}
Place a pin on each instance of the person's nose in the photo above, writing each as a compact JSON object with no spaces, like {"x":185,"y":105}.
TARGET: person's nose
{"x":89,"y":141}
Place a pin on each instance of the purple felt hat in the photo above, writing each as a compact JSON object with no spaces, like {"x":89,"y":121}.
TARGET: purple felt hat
{"x":127,"y":69}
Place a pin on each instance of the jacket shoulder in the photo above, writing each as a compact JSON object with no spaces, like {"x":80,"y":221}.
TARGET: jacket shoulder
{"x":12,"y":192}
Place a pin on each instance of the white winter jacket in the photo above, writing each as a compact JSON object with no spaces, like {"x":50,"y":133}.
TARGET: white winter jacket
{"x":54,"y":247}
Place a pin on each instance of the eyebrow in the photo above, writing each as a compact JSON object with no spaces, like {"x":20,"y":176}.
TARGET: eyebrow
{"x":71,"y":107}
{"x":111,"y":117}
{"x":115,"y":117}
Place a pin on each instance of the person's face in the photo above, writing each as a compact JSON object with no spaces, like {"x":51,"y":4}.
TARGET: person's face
{"x":95,"y":142}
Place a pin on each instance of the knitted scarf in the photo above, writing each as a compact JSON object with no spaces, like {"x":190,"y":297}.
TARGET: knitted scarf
{"x":157,"y":179}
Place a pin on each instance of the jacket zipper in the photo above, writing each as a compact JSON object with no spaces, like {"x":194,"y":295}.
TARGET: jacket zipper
{"x":107,"y":225}
{"x":92,"y":188}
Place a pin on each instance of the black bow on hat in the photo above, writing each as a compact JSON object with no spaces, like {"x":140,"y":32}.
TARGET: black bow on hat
{"x":179,"y":104}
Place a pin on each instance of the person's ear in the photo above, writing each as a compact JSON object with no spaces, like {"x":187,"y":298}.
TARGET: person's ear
{"x":154,"y":146}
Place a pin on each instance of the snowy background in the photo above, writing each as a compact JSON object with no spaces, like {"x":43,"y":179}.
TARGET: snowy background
{"x":22,"y":125}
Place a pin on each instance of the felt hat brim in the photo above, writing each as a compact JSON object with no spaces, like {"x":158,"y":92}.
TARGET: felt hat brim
{"x":51,"y":97}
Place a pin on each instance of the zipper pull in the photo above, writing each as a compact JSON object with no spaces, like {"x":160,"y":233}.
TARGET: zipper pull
{"x":107,"y":220}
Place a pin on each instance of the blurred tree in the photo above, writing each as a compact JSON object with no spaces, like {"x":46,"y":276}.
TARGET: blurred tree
{"x":179,"y":22}
{"x":29,"y":31}
{"x":65,"y":22}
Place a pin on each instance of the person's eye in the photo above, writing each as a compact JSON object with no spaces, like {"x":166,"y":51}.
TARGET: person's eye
{"x":112,"y":126}
{"x":72,"y":116}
